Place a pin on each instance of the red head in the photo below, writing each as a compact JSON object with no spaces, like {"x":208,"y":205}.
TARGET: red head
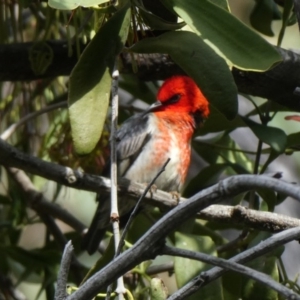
{"x":181,"y":94}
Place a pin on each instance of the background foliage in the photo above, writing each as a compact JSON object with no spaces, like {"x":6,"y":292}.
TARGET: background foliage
{"x":205,"y":40}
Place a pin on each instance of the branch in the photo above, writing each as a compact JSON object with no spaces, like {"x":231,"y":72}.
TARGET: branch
{"x":11,"y":157}
{"x":261,"y":249}
{"x":242,"y":216}
{"x":277,"y":84}
{"x":60,"y":293}
{"x":151,"y":243}
{"x":233,"y":266}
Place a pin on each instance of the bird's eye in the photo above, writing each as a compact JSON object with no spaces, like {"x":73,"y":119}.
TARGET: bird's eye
{"x":174,"y":99}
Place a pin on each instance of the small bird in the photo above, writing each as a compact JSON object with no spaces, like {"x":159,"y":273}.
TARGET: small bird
{"x":145,"y":141}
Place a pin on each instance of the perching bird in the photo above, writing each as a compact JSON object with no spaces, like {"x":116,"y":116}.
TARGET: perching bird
{"x":145,"y":141}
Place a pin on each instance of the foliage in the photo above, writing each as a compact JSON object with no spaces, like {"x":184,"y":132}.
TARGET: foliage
{"x":206,"y":41}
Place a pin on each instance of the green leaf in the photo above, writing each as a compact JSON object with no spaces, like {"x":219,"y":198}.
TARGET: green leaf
{"x":287,"y":9}
{"x":155,"y":22}
{"x":200,"y":62}
{"x":186,"y":269}
{"x":72,"y":4}
{"x":158,"y":289}
{"x":222,"y":3}
{"x":206,"y":177}
{"x":293,"y":140}
{"x":266,"y":264}
{"x":241,"y":46}
{"x":262,"y":16}
{"x":217,"y":122}
{"x":90,"y":82}
{"x":274,"y":137}
{"x":269,"y":197}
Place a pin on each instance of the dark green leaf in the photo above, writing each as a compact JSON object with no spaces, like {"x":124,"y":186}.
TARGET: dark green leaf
{"x":287,"y":9}
{"x":208,"y":176}
{"x":201,"y":63}
{"x":262,"y":16}
{"x":90,"y":82}
{"x":274,"y":137}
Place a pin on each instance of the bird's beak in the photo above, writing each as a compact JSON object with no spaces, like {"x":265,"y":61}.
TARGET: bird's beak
{"x":153,"y":107}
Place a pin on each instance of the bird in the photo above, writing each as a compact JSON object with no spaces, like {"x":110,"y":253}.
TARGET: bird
{"x":146,"y":140}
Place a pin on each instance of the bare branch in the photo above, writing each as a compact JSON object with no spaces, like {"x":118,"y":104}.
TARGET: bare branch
{"x":239,"y":215}
{"x":233,"y":266}
{"x":60,"y":293}
{"x":259,"y":250}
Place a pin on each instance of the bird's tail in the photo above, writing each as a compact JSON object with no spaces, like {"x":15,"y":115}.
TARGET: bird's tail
{"x":98,"y":227}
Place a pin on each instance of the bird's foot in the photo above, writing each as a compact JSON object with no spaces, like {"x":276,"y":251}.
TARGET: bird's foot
{"x":153,"y":189}
{"x":175,"y":195}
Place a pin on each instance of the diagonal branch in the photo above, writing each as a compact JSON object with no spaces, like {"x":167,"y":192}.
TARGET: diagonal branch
{"x":261,"y":249}
{"x":233,"y":266}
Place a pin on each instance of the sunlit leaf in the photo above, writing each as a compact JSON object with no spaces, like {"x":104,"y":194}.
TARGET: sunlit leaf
{"x":201,"y":63}
{"x":72,"y":4}
{"x":186,"y":269}
{"x":155,"y":22}
{"x":90,"y":82}
{"x":241,"y":46}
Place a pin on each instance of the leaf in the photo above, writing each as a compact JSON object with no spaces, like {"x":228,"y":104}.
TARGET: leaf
{"x":222,"y":3}
{"x":155,"y":22}
{"x":274,"y":137}
{"x":72,"y":4}
{"x":206,"y":177}
{"x":217,"y":122}
{"x":200,"y":62}
{"x":158,"y":290}
{"x":287,"y":9}
{"x":262,"y":16}
{"x":90,"y":82}
{"x":244,"y":48}
{"x":186,"y":269}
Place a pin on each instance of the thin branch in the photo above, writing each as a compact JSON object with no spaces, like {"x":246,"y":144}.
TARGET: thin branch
{"x":62,"y":279}
{"x":114,"y":214}
{"x":233,"y":266}
{"x":32,"y":197}
{"x":39,"y":203}
{"x":167,"y":267}
{"x":137,"y":206}
{"x":262,"y":248}
{"x":12,"y":128}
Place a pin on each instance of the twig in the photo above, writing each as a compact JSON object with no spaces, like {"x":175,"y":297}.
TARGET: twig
{"x":135,"y":210}
{"x":39,"y":203}
{"x":12,"y":128}
{"x":167,"y":267}
{"x":61,"y":293}
{"x":233,"y":266}
{"x":114,"y":215}
{"x":33,"y":199}
{"x":261,"y":249}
